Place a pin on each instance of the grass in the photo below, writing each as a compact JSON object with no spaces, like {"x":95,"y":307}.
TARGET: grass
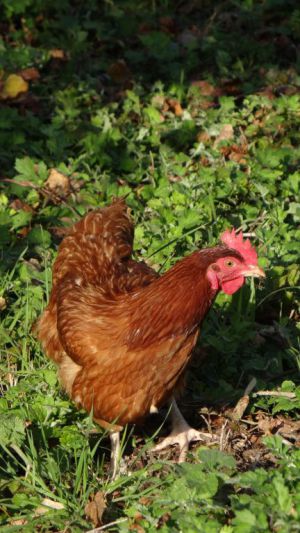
{"x":191,"y":110}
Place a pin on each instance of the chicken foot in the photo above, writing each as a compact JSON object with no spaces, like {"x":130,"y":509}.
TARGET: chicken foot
{"x":182,"y":434}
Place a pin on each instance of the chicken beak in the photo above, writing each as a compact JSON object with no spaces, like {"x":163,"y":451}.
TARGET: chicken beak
{"x":254,"y":271}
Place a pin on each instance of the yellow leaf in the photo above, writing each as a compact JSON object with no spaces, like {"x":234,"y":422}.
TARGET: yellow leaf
{"x":13,"y":86}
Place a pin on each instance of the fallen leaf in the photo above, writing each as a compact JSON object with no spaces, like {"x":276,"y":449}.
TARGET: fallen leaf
{"x":268,"y":425}
{"x":19,"y":522}
{"x":13,"y":86}
{"x":95,"y":508}
{"x":19,"y":205}
{"x":23,"y":232}
{"x":58,"y":182}
{"x":137,"y":528}
{"x":203,"y":137}
{"x":30,"y":74}
{"x":144,"y":500}
{"x":235,"y":153}
{"x":237,"y":157}
{"x":2,"y":303}
{"x":174,"y":106}
{"x":57,"y":53}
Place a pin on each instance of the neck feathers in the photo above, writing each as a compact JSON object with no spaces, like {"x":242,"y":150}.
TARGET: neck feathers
{"x":176,"y":303}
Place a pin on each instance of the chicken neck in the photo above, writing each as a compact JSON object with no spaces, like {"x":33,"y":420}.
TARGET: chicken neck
{"x":174,"y":304}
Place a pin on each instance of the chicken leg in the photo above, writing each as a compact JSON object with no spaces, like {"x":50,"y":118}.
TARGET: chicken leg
{"x":115,"y":453}
{"x":181,"y":434}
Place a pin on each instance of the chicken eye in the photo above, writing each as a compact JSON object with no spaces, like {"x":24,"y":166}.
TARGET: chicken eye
{"x":229,"y":263}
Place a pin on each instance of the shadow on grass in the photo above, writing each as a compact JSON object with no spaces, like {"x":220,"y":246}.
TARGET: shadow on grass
{"x":90,"y":52}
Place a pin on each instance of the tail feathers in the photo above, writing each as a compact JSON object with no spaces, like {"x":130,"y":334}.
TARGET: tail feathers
{"x":102,"y":239}
{"x":111,"y":223}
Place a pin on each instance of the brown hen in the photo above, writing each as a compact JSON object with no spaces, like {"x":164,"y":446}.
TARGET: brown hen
{"x":121,"y":335}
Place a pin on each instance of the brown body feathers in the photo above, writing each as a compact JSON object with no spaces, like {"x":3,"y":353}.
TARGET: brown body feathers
{"x":120,"y":335}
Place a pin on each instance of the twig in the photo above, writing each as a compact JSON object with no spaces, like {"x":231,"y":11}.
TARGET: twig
{"x":224,"y":437}
{"x":243,"y":402}
{"x":240,"y":408}
{"x":45,"y":192}
{"x":250,"y":386}
{"x":107,"y":525}
{"x":280,"y":394}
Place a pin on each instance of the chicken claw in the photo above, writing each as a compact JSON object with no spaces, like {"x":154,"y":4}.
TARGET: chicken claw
{"x":182,"y":434}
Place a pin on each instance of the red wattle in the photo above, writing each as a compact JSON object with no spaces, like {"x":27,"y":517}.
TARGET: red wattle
{"x":229,"y":287}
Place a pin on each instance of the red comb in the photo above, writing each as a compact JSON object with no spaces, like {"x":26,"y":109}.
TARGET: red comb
{"x":235,"y":241}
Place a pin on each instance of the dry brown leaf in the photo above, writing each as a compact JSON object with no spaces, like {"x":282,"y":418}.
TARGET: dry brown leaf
{"x":203,"y":137}
{"x":235,"y":153}
{"x":18,"y":522}
{"x":23,"y":232}
{"x":14,"y":85}
{"x":268,"y":425}
{"x":2,"y":303}
{"x":58,"y":182}
{"x":19,"y":205}
{"x":57,"y":53}
{"x":175,"y":106}
{"x":30,"y":74}
{"x":144,"y":500}
{"x":95,"y":508}
{"x":137,"y":528}
{"x":237,"y":157}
